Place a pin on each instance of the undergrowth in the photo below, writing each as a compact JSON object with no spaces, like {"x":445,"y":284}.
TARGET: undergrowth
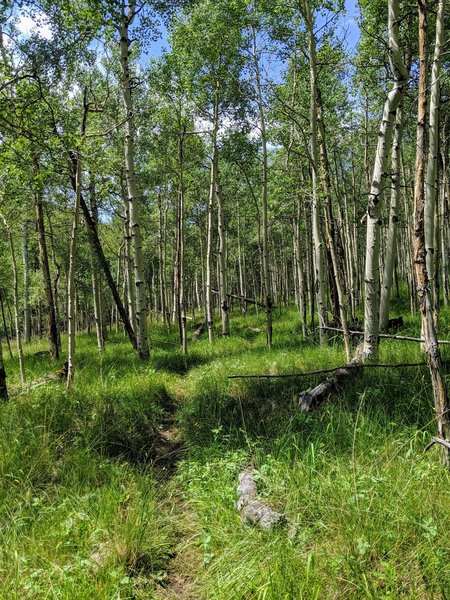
{"x":84,"y":513}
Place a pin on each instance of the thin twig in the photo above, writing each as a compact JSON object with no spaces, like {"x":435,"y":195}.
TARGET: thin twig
{"x":331,"y":370}
{"x":403,"y":338}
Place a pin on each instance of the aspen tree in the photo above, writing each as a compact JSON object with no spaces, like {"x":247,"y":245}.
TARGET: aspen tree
{"x":50,"y":304}
{"x":16,"y":301}
{"x":138,"y":265}
{"x":441,"y":401}
{"x":180,"y":278}
{"x":162,"y":258}
{"x":319,"y":267}
{"x":431,"y":183}
{"x":373,"y":214}
{"x":330,"y":228}
{"x":129,"y":273}
{"x":3,"y":386}
{"x":96,"y":288}
{"x":223,"y":288}
{"x":26,"y":284}
{"x":212,"y":194}
{"x":71,"y":298}
{"x":267,"y":288}
{"x":391,"y":243}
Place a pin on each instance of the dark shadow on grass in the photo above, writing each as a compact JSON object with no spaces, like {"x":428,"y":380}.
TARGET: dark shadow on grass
{"x":176,"y":362}
{"x":265,"y":410}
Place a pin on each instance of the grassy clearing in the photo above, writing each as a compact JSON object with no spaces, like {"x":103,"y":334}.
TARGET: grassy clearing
{"x":83,"y":517}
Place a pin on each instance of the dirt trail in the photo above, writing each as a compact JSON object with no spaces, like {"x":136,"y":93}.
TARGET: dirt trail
{"x":169,"y":448}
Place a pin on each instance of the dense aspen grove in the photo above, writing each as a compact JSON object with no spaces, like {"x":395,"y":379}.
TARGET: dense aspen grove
{"x":170,"y":170}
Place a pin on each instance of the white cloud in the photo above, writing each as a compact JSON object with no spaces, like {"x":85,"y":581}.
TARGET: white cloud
{"x":38,"y":24}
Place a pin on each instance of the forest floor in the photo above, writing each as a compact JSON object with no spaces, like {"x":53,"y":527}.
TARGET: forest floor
{"x":126,"y":488}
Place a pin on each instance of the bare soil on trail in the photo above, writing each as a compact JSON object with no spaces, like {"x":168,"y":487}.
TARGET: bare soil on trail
{"x":168,"y":449}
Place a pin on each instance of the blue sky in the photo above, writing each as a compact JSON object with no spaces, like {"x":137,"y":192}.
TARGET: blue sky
{"x":347,"y":23}
{"x":346,"y":26}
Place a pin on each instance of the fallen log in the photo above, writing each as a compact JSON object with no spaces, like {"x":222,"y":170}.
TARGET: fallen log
{"x":256,"y":512}
{"x":198,"y":332}
{"x":312,"y":399}
{"x":55,"y":376}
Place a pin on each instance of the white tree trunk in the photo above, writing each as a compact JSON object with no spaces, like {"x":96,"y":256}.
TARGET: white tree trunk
{"x":441,"y":401}
{"x":16,"y":302}
{"x":138,"y":264}
{"x":223,"y":288}
{"x":391,"y":244}
{"x":212,"y":193}
{"x":181,"y":260}
{"x":372,"y":268}
{"x":318,"y":247}
{"x":95,"y":266}
{"x":43,"y":255}
{"x":3,"y":387}
{"x":71,"y":298}
{"x":129,"y":270}
{"x":431,"y":184}
{"x":161,"y":261}
{"x":267,"y":288}
{"x":26,"y":285}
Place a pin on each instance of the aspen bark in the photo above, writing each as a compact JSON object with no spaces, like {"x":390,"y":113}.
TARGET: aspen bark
{"x":441,"y":401}
{"x":391,"y":244}
{"x":241,"y":264}
{"x":319,"y":267}
{"x":180,"y":264}
{"x":431,"y":183}
{"x":223,"y":288}
{"x":129,"y":273}
{"x":372,"y":266}
{"x":212,"y":193}
{"x":267,"y":289}
{"x":330,"y":230}
{"x":50,"y":304}
{"x":5,"y":325}
{"x":443,"y":210}
{"x":71,"y":291}
{"x":138,"y":265}
{"x":16,"y":302}
{"x":71,"y":298}
{"x":57,"y":275}
{"x":26,"y":285}
{"x":162,"y":261}
{"x":300,"y":278}
{"x":3,"y":386}
{"x":95,"y":266}
{"x":97,"y":249}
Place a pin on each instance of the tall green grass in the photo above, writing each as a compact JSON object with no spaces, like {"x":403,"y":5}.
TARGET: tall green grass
{"x":84,"y":513}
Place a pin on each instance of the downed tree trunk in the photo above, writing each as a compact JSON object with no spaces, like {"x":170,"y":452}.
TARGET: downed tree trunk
{"x":254,"y":329}
{"x":255,"y":512}
{"x":60,"y":374}
{"x":310,"y":400}
{"x":198,"y":332}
